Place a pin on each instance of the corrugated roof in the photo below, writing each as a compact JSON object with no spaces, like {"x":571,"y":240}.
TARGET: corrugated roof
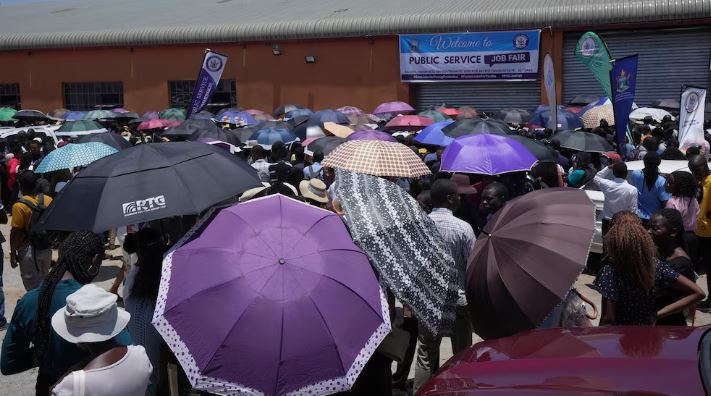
{"x":81,"y":23}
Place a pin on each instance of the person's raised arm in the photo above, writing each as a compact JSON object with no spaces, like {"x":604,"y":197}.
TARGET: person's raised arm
{"x":693,"y":293}
{"x":609,"y":308}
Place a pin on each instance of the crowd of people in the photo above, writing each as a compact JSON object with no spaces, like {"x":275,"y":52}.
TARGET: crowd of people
{"x":656,"y":229}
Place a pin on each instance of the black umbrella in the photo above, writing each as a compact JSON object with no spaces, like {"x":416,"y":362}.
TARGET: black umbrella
{"x":127,"y":116}
{"x":671,"y":104}
{"x":109,"y":138}
{"x":514,"y":116}
{"x":281,"y":110}
{"x":470,"y":126}
{"x":31,"y":116}
{"x":148,"y":182}
{"x":326,"y":144}
{"x":583,"y":141}
{"x":582,"y":100}
{"x":190,"y":127}
{"x":223,"y":135}
{"x":243,"y":133}
{"x":538,"y":149}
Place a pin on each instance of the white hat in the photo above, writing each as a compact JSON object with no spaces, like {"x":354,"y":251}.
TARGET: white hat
{"x":314,"y":189}
{"x":252,"y":192}
{"x":91,"y":315}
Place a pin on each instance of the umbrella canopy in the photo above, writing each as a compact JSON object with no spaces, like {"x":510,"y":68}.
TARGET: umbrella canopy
{"x":107,"y":138}
{"x":467,"y":112}
{"x":393,"y":108}
{"x":377,"y":158}
{"x":350,"y":110}
{"x":583,"y":141}
{"x":129,"y":115}
{"x":172,"y":114}
{"x":514,"y":116}
{"x":231,"y":148}
{"x":643,"y":112}
{"x":150,"y":115}
{"x":372,"y":135}
{"x":203,"y":115}
{"x":449,"y":111}
{"x":433,"y":135}
{"x":119,"y":110}
{"x":74,"y":155}
{"x":592,"y":117}
{"x":223,"y":135}
{"x":58,"y":113}
{"x":328,"y":115}
{"x":266,"y":136}
{"x":337,"y":129}
{"x":298,"y":113}
{"x":79,"y":128}
{"x":6,"y":114}
{"x":582,"y":100}
{"x":566,"y":119}
{"x":409,"y":123}
{"x":470,"y":126}
{"x":238,"y":118}
{"x":282,"y":110}
{"x":148,"y":182}
{"x":527,"y":258}
{"x":30,"y":116}
{"x":154,"y":124}
{"x":190,"y":127}
{"x":487,"y":155}
{"x":403,"y":244}
{"x":324,"y":145}
{"x":99,"y":115}
{"x":305,"y":309}
{"x":255,"y":112}
{"x":74,"y":115}
{"x":669,"y":104}
{"x":535,"y":147}
{"x":435,"y":115}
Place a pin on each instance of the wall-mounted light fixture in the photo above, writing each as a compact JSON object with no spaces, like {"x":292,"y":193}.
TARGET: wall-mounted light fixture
{"x":310,"y":59}
{"x":276,"y":50}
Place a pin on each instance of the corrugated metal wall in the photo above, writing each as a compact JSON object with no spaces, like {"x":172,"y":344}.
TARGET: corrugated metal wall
{"x":486,"y":96}
{"x":668,"y":59}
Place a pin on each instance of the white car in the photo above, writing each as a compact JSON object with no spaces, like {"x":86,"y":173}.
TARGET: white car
{"x":40,"y":131}
{"x":597,"y":198}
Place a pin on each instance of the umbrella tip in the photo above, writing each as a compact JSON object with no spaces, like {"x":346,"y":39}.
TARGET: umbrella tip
{"x":282,"y":261}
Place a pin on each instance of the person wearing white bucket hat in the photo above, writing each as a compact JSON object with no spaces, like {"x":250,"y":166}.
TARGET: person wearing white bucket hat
{"x":91,"y":319}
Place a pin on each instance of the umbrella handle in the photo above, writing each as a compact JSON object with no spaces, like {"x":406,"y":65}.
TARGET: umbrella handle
{"x":595,"y":313}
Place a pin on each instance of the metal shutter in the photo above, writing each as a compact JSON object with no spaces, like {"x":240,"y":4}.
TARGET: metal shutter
{"x":484,"y":96}
{"x":668,"y":59}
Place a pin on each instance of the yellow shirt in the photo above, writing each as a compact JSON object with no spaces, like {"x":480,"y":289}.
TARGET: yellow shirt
{"x":703,"y":223}
{"x":22,"y":214}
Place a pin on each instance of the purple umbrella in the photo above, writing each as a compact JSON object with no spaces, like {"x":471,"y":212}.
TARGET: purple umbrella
{"x":271,"y":297}
{"x":150,"y":115}
{"x":350,"y":110}
{"x":119,"y":110}
{"x":486,"y":154}
{"x":392,"y":108}
{"x":372,"y":135}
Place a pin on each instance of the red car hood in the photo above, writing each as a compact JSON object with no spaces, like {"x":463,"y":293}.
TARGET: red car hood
{"x":586,"y":361}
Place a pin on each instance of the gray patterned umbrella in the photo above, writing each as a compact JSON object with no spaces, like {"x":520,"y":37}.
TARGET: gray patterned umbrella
{"x":403,"y":244}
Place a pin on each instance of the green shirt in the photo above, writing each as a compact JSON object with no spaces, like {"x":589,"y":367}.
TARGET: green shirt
{"x":17,"y":356}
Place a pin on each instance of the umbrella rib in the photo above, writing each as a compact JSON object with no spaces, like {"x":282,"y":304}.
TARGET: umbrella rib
{"x":303,"y":235}
{"x":255,"y":232}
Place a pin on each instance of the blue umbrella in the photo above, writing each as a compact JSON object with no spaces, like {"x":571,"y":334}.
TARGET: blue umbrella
{"x":267,"y":136}
{"x":299,"y":113}
{"x":74,"y":115}
{"x":73,"y":155}
{"x":434,"y":135}
{"x":566,"y":119}
{"x":239,"y":118}
{"x":203,"y":115}
{"x":328,"y":115}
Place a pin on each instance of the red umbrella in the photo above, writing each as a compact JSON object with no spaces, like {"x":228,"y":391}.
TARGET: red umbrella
{"x":450,"y":111}
{"x":409,"y":123}
{"x":155,"y":124}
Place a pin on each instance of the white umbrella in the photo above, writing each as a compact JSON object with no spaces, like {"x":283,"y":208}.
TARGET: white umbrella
{"x":656,"y":114}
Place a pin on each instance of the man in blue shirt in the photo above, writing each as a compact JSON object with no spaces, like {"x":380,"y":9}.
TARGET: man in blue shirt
{"x":314,"y":171}
{"x":651,"y":195}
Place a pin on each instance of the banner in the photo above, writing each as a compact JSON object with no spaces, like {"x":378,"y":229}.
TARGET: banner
{"x":497,"y":56}
{"x":212,"y":66}
{"x":624,"y":78}
{"x":592,"y":51}
{"x":549,"y":82}
{"x":691,"y":117}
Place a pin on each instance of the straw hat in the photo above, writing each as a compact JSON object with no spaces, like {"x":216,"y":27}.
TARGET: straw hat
{"x":314,"y":190}
{"x":91,"y":315}
{"x":253,"y":192}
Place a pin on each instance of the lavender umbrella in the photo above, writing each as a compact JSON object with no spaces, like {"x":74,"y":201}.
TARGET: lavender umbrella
{"x":372,"y":135}
{"x":272,"y":297}
{"x":486,"y":154}
{"x":393,"y":108}
{"x":150,"y":115}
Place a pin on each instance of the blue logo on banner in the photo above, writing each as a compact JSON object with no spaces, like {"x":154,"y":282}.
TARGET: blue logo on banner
{"x":214,"y":63}
{"x":521,"y":41}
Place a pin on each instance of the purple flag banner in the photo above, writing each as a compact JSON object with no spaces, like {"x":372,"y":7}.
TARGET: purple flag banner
{"x":212,"y":66}
{"x":623,"y":78}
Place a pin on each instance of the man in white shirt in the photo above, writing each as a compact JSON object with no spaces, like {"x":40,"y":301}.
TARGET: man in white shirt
{"x":259,"y":163}
{"x":619,"y":195}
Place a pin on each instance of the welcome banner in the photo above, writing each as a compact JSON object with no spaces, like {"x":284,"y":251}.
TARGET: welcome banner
{"x":691,"y":117}
{"x":210,"y":73}
{"x":495,"y":56}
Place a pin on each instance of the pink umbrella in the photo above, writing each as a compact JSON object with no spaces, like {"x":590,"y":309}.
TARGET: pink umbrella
{"x":310,"y":140}
{"x":254,"y":112}
{"x":119,"y":110}
{"x":450,"y":111}
{"x":409,"y":123}
{"x":155,"y":124}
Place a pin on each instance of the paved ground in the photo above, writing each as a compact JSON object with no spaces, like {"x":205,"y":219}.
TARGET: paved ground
{"x":23,"y":384}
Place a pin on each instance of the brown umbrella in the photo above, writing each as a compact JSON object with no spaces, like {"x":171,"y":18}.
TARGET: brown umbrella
{"x":377,"y":158}
{"x":334,"y":129}
{"x":527,"y":258}
{"x":592,"y":117}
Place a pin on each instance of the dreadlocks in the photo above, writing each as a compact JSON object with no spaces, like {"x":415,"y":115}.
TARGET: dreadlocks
{"x":631,"y":249}
{"x":76,"y":255}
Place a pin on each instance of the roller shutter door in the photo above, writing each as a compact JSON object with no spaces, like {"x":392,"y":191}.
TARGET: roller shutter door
{"x":486,"y":96}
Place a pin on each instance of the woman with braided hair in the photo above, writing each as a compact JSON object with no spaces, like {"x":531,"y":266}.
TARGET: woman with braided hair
{"x":80,"y":256}
{"x":632,"y":277}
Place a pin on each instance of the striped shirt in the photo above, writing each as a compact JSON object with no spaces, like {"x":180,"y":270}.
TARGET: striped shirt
{"x":459,"y":238}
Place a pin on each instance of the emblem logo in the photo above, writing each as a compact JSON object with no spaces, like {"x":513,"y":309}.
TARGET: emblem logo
{"x":589,"y":47}
{"x":623,"y":81}
{"x":692,"y":102}
{"x":214,"y":63}
{"x":144,"y":205}
{"x":520,"y":41}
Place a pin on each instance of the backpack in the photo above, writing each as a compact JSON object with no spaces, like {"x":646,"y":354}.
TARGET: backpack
{"x":315,"y":175}
{"x":39,"y":239}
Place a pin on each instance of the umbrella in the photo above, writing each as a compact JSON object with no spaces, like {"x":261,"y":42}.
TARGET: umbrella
{"x":74,"y":115}
{"x":583,"y":141}
{"x":172,"y":114}
{"x":372,"y":135}
{"x":433,"y":134}
{"x":150,"y":115}
{"x":449,"y":111}
{"x":255,"y":112}
{"x":107,"y":138}
{"x":669,"y":104}
{"x":324,"y":145}
{"x":592,"y":117}
{"x":129,"y":115}
{"x":305,"y":131}
{"x":409,"y":123}
{"x":377,"y":158}
{"x":231,"y":148}
{"x":467,"y":112}
{"x":74,"y":155}
{"x":582,"y":100}
{"x":190,"y":127}
{"x":6,"y":114}
{"x":266,"y":136}
{"x":154,"y":124}
{"x":328,"y":115}
{"x":403,"y":244}
{"x":203,"y":115}
{"x":223,"y":135}
{"x":263,"y":117}
{"x":514,"y":116}
{"x":228,"y":110}
{"x":282,"y":110}
{"x":435,"y":115}
{"x":389,"y":109}
{"x":486,"y":154}
{"x":148,"y":182}
{"x":99,"y":115}
{"x":337,"y":129}
{"x":79,"y":128}
{"x":58,"y":113}
{"x":566,"y":119}
{"x":240,"y":119}
{"x":538,"y":149}
{"x":305,"y":309}
{"x":299,"y":113}
{"x":656,"y":114}
{"x":527,"y":258}
{"x":470,"y":126}
{"x":30,"y":116}
{"x":310,"y":140}
{"x":350,"y":110}
{"x":119,"y":110}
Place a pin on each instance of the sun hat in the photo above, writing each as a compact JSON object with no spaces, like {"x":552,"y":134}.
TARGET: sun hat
{"x":91,"y":315}
{"x":314,"y":190}
{"x":253,"y":192}
{"x":463,"y":185}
